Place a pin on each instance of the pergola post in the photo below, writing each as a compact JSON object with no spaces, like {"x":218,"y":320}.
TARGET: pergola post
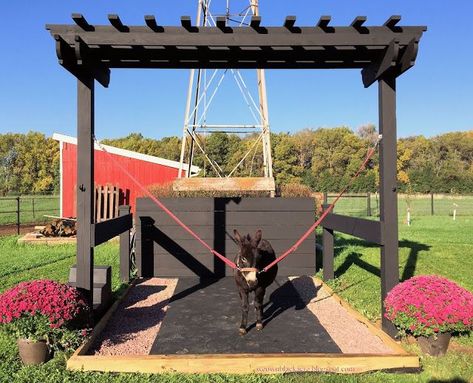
{"x":388,"y":192}
{"x":328,"y":254}
{"x":85,"y":184}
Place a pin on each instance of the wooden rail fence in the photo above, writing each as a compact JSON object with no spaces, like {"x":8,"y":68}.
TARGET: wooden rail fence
{"x":107,"y":200}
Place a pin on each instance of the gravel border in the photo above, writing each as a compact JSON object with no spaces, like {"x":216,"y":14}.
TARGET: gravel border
{"x":136,"y":322}
{"x":351,"y":335}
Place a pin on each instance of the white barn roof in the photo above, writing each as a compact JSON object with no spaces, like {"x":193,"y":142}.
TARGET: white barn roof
{"x":128,"y":153}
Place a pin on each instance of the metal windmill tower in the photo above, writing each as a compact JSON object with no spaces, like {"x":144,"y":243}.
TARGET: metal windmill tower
{"x":203,"y":86}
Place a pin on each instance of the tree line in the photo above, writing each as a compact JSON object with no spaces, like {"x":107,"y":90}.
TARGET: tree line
{"x":29,"y":163}
{"x":324,"y":159}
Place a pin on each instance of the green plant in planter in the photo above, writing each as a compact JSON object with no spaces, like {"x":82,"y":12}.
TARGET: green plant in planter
{"x":44,"y":311}
{"x":429,"y":306}
{"x":28,"y":326}
{"x":68,"y":340}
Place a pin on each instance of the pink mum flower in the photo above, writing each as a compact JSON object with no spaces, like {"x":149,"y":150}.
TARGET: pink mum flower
{"x":428,"y":304}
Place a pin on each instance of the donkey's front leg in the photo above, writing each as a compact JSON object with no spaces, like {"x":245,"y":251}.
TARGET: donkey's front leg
{"x":244,"y":311}
{"x":259,"y":297}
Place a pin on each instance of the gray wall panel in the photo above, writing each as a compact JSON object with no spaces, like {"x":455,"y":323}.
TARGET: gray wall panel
{"x":165,"y":249}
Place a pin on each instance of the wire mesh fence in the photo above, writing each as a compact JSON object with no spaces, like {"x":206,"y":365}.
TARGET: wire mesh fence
{"x":28,"y":210}
{"x":362,"y":205}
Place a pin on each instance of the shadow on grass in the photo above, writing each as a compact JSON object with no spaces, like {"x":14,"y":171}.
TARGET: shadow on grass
{"x":355,"y":258}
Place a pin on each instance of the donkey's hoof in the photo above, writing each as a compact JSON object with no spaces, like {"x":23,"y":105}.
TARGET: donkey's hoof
{"x":242,"y":331}
{"x":259,"y":326}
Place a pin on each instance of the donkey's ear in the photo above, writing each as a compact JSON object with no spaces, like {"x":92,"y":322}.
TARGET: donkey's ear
{"x":258,"y":236}
{"x":237,"y":236}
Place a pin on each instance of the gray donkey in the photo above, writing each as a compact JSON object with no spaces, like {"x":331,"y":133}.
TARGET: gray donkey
{"x":255,"y":253}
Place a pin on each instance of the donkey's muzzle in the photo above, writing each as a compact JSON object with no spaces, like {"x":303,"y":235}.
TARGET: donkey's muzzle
{"x":251,"y":278}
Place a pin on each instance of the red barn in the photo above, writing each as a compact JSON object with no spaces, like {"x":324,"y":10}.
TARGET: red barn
{"x":148,"y":170}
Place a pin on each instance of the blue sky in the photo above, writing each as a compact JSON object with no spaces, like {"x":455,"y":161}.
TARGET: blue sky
{"x":435,"y":96}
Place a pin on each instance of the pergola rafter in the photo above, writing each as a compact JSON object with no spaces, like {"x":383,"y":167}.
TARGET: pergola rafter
{"x":381,"y":52}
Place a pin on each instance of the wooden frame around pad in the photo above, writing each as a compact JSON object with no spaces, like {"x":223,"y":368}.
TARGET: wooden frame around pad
{"x":247,"y":363}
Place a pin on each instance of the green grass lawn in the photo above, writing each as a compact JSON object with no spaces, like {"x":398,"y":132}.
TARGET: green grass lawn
{"x":431,"y":245}
{"x":32,"y":209}
{"x":20,"y":262}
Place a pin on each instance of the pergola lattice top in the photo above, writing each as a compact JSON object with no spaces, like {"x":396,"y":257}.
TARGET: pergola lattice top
{"x":85,"y":48}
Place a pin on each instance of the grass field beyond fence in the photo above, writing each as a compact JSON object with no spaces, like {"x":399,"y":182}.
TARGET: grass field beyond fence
{"x":431,"y":245}
{"x":419,"y":204}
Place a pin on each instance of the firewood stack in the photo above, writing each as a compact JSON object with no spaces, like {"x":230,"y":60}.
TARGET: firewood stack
{"x":59,"y":228}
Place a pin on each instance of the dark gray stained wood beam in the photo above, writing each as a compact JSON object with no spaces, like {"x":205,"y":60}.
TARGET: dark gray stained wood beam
{"x":376,"y":70}
{"x":289,"y":22}
{"x":328,"y":254}
{"x":285,"y":47}
{"x":186,"y":22}
{"x":323,"y":22}
{"x":85,"y":184}
{"x":82,"y":22}
{"x":221,"y":22}
{"x":388,"y":212}
{"x":150,"y":21}
{"x":103,"y":231}
{"x":97,"y":70}
{"x":408,"y":58}
{"x":65,"y":53}
{"x":255,"y":22}
{"x":117,"y":23}
{"x":367,"y":229}
{"x":358,"y":22}
{"x":392,"y":21}
{"x":125,"y":261}
{"x":81,"y":49}
{"x":377,"y":37}
{"x":100,"y":73}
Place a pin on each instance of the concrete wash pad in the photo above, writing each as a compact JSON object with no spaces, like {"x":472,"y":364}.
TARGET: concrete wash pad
{"x":190,"y":316}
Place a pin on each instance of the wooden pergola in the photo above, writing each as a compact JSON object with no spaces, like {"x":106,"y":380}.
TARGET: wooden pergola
{"x":382,"y":53}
